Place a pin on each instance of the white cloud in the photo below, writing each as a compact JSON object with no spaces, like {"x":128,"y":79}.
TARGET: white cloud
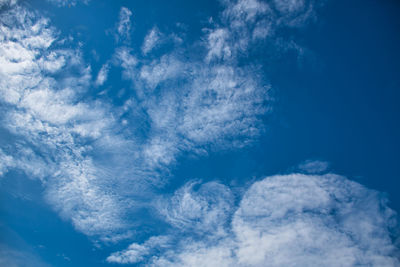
{"x":313,"y":166}
{"x":136,"y":253}
{"x":290,"y":220}
{"x":287,"y":6}
{"x":313,"y":220}
{"x":128,"y":62}
{"x":6,"y":162}
{"x":151,"y":40}
{"x":182,"y":104}
{"x":224,"y":104}
{"x":159,"y":70}
{"x":194,"y":104}
{"x":124,"y":24}
{"x":102,"y":75}
{"x":62,"y":3}
{"x":7,"y":2}
{"x":218,"y":46}
{"x":12,"y":257}
{"x":212,"y":102}
{"x":201,"y":211}
{"x":52,"y":127}
{"x":295,"y":13}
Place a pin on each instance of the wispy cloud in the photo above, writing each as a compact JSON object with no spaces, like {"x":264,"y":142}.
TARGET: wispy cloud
{"x":6,"y":162}
{"x":54,"y":132}
{"x":314,"y":166}
{"x":63,"y":3}
{"x":14,"y":258}
{"x":151,"y":40}
{"x":102,"y":75}
{"x":7,"y":2}
{"x":15,"y":251}
{"x":124,"y":25}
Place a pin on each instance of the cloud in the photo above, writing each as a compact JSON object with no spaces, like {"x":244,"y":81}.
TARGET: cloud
{"x":54,"y":131}
{"x":100,"y":163}
{"x":201,"y":211}
{"x":15,"y":251}
{"x":295,"y":13}
{"x":62,"y":3}
{"x":314,"y":166}
{"x":136,"y":253}
{"x":206,"y":103}
{"x":126,"y":60}
{"x":14,"y":258}
{"x":102,"y":75}
{"x":160,"y":70}
{"x":7,"y":2}
{"x":124,"y":24}
{"x":151,"y":40}
{"x":313,"y":220}
{"x":290,"y":220}
{"x":6,"y":162}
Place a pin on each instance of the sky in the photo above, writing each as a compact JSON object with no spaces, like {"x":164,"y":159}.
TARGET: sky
{"x":199,"y":133}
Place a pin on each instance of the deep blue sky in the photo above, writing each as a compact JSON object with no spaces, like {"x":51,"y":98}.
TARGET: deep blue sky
{"x":334,"y":99}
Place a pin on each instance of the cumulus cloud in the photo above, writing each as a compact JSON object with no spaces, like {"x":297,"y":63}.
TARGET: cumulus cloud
{"x":288,"y":220}
{"x":313,"y":220}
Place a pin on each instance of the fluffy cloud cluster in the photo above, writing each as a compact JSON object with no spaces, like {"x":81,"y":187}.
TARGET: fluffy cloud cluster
{"x":99,"y":163}
{"x":285,"y":220}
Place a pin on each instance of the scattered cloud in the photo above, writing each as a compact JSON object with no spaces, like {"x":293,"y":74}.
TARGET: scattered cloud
{"x":188,"y":104}
{"x":99,"y":163}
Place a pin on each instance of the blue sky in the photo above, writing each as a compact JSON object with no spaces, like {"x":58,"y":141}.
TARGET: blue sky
{"x":199,"y":133}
